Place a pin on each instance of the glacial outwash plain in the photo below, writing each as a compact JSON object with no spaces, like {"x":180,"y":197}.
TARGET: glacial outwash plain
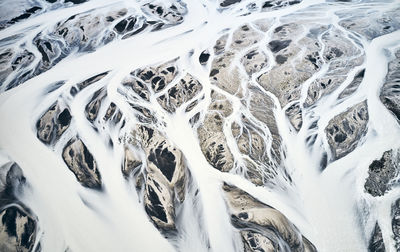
{"x":199,"y":125}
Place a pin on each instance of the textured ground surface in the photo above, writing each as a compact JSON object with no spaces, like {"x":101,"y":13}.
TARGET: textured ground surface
{"x":199,"y":125}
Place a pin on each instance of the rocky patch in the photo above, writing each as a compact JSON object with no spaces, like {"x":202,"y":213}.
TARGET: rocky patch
{"x":165,"y":176}
{"x":132,"y":161}
{"x":223,"y":74}
{"x":82,"y":32}
{"x":212,"y":139}
{"x":382,"y":172}
{"x":81,"y":162}
{"x":352,"y":87}
{"x":277,"y":4}
{"x":170,"y":14}
{"x":244,"y":37}
{"x":396,"y":223}
{"x":17,"y":226}
{"x":83,"y":84}
{"x":342,"y":56}
{"x":376,"y":243}
{"x":185,"y":90}
{"x":113,"y":114}
{"x":17,"y":230}
{"x":137,"y":86}
{"x":345,"y":130}
{"x":262,"y":108}
{"x":12,"y":180}
{"x":370,"y":24}
{"x":93,"y":107}
{"x":157,"y":77}
{"x":53,"y":123}
{"x":293,"y":65}
{"x":262,"y":226}
{"x":254,"y":61}
{"x":294,"y":113}
{"x":390,"y":92}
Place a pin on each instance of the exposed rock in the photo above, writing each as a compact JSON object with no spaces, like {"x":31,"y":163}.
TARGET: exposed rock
{"x":5,"y":57}
{"x":250,"y":142}
{"x":212,"y":139}
{"x":91,"y":80}
{"x":194,"y":119}
{"x":277,"y":4}
{"x":382,"y":172}
{"x":157,"y":77}
{"x":376,"y":243}
{"x":226,"y":3}
{"x":278,"y":45}
{"x":370,"y":24}
{"x":165,"y":177}
{"x":113,"y":114}
{"x":219,"y":103}
{"x":159,"y":204}
{"x":166,"y":159}
{"x":261,"y":225}
{"x":125,"y":25}
{"x":223,"y":74}
{"x":17,"y":226}
{"x":254,"y":61}
{"x":185,"y":90}
{"x":342,"y":56}
{"x":294,"y":114}
{"x":20,"y":60}
{"x":93,"y":107}
{"x":131,"y":161}
{"x":82,"y":32}
{"x":191,"y":106}
{"x":12,"y":61}
{"x":262,"y":107}
{"x":143,"y":114}
{"x":203,"y":58}
{"x":158,"y":15}
{"x":259,"y":168}
{"x":110,"y":111}
{"x":81,"y":162}
{"x":256,"y":242}
{"x":17,"y":14}
{"x":171,"y":14}
{"x":287,"y":31}
{"x":338,"y":48}
{"x":396,"y":223}
{"x":294,"y":65}
{"x":53,"y":123}
{"x":352,"y":87}
{"x":256,"y":173}
{"x":322,"y":86}
{"x":284,"y":82}
{"x":245,"y":36}
{"x":138,"y":87}
{"x":345,"y":130}
{"x":220,"y":44}
{"x":390,"y":92}
{"x":17,"y":230}
{"x":11,"y":180}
